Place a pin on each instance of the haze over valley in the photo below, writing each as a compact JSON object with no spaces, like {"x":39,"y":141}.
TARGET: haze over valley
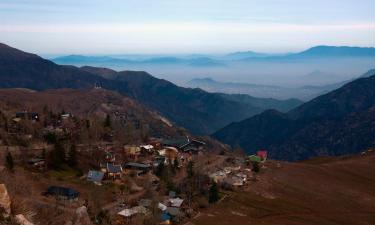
{"x":215,"y":112}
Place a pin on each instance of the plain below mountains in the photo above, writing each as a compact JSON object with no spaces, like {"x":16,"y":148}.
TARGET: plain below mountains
{"x":340,"y":122}
{"x":194,"y":109}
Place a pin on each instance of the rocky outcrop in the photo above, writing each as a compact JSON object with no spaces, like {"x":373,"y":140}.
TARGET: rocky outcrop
{"x":82,"y":217}
{"x":21,"y":220}
{"x":5,"y":200}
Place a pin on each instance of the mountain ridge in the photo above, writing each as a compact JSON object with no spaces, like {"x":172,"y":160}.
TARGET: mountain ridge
{"x":322,"y":126}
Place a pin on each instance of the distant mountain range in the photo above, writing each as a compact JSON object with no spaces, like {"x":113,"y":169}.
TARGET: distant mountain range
{"x":264,"y":91}
{"x":219,"y":60}
{"x":339,"y":122}
{"x":194,"y":109}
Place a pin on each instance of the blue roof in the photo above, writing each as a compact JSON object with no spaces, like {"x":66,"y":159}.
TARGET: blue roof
{"x":95,"y":176}
{"x":113,"y":168}
{"x":165,"y":216}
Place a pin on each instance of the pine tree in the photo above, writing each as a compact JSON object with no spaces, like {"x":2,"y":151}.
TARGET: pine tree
{"x":107,"y":122}
{"x":213,"y":193}
{"x":72,"y":157}
{"x":256,"y":167}
{"x":57,"y":156}
{"x":9,"y":162}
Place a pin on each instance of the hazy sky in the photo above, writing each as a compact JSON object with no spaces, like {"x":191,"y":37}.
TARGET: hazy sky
{"x":179,"y":26}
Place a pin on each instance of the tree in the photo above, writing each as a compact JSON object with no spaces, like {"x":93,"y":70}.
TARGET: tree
{"x":72,"y":157}
{"x":176,"y":164}
{"x":190,"y":169}
{"x":57,"y":156}
{"x":9,"y":162}
{"x":256,"y":167}
{"x":44,"y":154}
{"x":213,"y":193}
{"x":107,"y":122}
{"x":160,"y":169}
{"x":51,"y":138}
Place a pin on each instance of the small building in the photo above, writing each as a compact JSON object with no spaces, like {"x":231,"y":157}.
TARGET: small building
{"x":114,"y":171}
{"x":176,"y":202}
{"x":140,"y":167}
{"x":147,"y":148}
{"x":218,"y":176}
{"x":95,"y":176}
{"x":192,"y":146}
{"x":262,"y":154}
{"x":170,"y":154}
{"x":255,"y":158}
{"x":132,"y":151}
{"x":132,"y":211}
{"x":62,"y":193}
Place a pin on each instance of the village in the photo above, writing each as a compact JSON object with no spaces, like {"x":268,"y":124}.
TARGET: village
{"x":153,"y":181}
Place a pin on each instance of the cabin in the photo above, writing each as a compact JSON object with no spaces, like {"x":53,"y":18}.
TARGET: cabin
{"x":62,"y":193}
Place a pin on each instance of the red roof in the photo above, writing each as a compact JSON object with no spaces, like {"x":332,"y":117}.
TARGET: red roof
{"x":262,"y":154}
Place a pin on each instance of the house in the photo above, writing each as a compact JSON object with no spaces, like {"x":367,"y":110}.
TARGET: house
{"x":218,"y":176}
{"x":28,"y":115}
{"x":234,"y":182}
{"x":165,"y":218}
{"x":132,"y":151}
{"x":158,"y":160}
{"x":147,"y":148}
{"x":132,"y":211}
{"x":176,"y":202}
{"x":143,"y":168}
{"x":192,"y":146}
{"x":114,"y":171}
{"x":95,"y":176}
{"x":177,"y":143}
{"x":170,"y":154}
{"x":262,"y":154}
{"x":62,"y":193}
{"x":184,"y":144}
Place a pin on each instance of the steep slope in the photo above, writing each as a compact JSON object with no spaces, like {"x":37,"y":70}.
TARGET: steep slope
{"x":194,"y":109}
{"x":265,"y":103}
{"x":328,"y":191}
{"x":85,"y":104}
{"x":340,"y":122}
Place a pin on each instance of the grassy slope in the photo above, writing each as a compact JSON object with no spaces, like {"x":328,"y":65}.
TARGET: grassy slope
{"x":328,"y":192}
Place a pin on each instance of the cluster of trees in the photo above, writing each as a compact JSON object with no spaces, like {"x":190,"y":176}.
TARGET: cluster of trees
{"x":60,"y":156}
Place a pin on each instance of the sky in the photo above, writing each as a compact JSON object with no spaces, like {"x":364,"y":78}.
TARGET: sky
{"x":99,"y":27}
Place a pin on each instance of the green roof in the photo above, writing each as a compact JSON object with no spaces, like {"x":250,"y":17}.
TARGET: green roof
{"x":255,"y":158}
